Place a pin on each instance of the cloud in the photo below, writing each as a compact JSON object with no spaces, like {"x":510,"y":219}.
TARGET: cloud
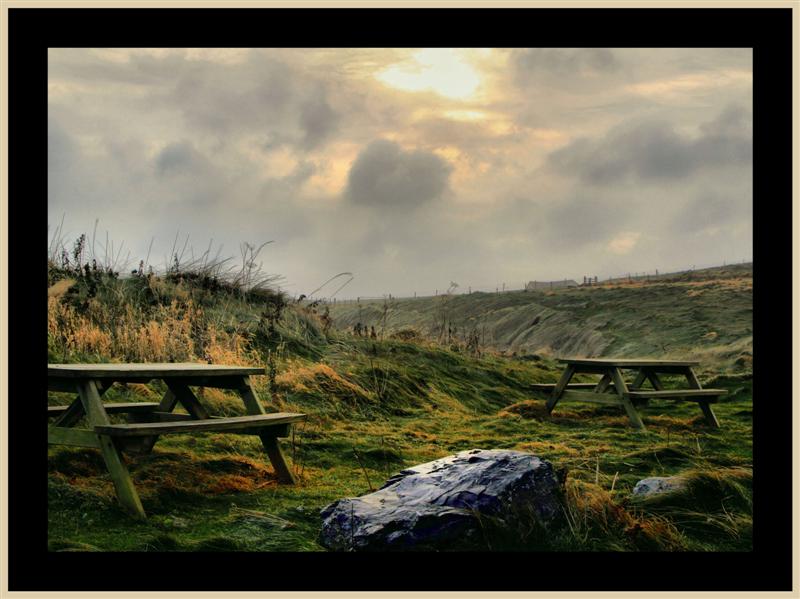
{"x":565,"y":61}
{"x":61,"y":149}
{"x":384,"y":175}
{"x":654,"y":150}
{"x":691,"y":83}
{"x":178,"y":158}
{"x":318,"y":121}
{"x":260,"y":144}
{"x":584,"y":218}
{"x":624,"y":242}
{"x":711,"y":210}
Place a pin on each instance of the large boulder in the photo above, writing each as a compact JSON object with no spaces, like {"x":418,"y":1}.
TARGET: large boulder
{"x":447,"y":504}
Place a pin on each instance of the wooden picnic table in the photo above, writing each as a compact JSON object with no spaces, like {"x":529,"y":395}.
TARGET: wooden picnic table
{"x":148,"y":420}
{"x":612,"y":389}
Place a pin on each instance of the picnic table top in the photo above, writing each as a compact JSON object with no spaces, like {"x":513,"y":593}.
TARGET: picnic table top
{"x":156,"y":370}
{"x":627,"y":363}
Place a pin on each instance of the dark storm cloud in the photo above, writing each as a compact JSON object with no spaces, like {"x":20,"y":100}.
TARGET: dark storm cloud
{"x":653,"y":150}
{"x":284,"y":105}
{"x":318,"y":120}
{"x":385,"y":175}
{"x":564,"y":61}
{"x":179,"y":158}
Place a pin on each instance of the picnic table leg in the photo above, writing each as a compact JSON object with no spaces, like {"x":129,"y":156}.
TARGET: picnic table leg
{"x":640,"y":378}
{"x":569,"y":371}
{"x":168,"y":403}
{"x":270,"y":441}
{"x":75,"y":410}
{"x":604,"y":384}
{"x":705,"y":405}
{"x":622,"y":389}
{"x":126,"y":492}
{"x":187,"y":399}
{"x":655,"y":380}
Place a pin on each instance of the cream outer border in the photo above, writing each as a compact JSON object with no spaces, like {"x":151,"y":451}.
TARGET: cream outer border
{"x":4,"y":199}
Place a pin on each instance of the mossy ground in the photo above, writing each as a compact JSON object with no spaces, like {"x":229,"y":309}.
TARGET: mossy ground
{"x":377,"y":406}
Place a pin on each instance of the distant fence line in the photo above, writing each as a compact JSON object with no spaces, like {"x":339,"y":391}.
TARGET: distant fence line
{"x":586,"y":281}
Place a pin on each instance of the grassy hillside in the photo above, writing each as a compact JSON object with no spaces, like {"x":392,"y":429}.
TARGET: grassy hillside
{"x":377,"y":406}
{"x":704,"y":315}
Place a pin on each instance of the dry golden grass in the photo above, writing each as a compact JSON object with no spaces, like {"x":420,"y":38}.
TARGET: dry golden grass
{"x":60,"y":288}
{"x":315,"y":378}
{"x":168,"y":333}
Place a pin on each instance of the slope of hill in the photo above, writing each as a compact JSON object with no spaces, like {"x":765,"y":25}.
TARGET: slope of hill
{"x":708,"y":317}
{"x":376,"y":406}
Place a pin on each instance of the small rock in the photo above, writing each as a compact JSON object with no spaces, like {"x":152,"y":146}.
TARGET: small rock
{"x":658,"y":484}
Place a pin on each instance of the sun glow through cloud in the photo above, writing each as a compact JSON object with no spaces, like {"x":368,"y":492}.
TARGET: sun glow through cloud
{"x":441,"y":70}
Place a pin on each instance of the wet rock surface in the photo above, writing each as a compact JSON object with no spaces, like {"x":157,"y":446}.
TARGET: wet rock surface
{"x":439,"y":505}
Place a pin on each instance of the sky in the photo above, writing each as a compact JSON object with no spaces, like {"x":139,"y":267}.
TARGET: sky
{"x":412,"y":169}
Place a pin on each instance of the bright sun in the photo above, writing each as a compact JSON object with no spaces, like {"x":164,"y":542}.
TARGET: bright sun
{"x":441,"y":70}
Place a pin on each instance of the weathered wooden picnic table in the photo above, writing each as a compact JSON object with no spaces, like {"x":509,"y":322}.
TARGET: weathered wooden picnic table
{"x":612,"y":389}
{"x":148,"y":420}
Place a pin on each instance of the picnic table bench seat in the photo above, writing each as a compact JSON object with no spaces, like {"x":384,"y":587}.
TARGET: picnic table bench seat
{"x":709,"y":395}
{"x":246,"y":424}
{"x":111,"y":408}
{"x":551,"y":386}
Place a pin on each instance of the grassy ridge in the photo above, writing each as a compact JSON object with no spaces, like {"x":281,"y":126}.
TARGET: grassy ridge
{"x":375,"y":406}
{"x":706,"y":318}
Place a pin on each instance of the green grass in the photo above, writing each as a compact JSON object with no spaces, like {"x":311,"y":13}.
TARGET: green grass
{"x":377,"y":406}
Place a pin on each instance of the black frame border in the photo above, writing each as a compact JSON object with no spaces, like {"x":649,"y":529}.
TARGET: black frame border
{"x":767,"y":31}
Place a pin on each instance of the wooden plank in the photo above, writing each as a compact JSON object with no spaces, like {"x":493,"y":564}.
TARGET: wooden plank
{"x":551,"y":386}
{"x":705,"y":406}
{"x":252,"y":403}
{"x":59,"y":435}
{"x":75,"y":411}
{"x":641,"y":376}
{"x":187,"y":399}
{"x":92,"y":404}
{"x":194,"y":426}
{"x":591,"y":397}
{"x":711,"y":417}
{"x":111,"y":408}
{"x":692,"y":379}
{"x":654,"y":380}
{"x":560,"y":386}
{"x":622,"y":393}
{"x":70,"y":415}
{"x":64,"y":385}
{"x":627,"y":362}
{"x":167,"y":404}
{"x":269,"y":439}
{"x":156,"y":416}
{"x":126,"y":492}
{"x":151,"y":370}
{"x":677,"y":394}
{"x":604,"y":384}
{"x":282,"y":470}
{"x":171,"y":417}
